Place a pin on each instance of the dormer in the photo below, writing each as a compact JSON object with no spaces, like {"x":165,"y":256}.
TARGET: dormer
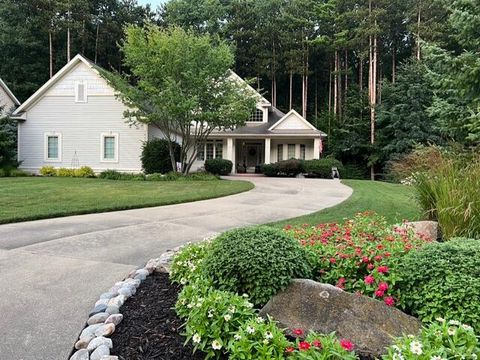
{"x":259,"y":115}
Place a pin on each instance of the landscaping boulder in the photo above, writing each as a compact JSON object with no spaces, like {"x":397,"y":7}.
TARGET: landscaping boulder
{"x":323,"y":308}
{"x":426,"y":228}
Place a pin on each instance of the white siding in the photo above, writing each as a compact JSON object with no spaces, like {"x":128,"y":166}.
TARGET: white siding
{"x":308,"y":148}
{"x":81,"y":126}
{"x":292,"y":122}
{"x":6,"y":102}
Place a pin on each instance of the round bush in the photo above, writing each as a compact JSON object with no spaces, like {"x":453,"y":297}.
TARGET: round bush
{"x":291,"y":168}
{"x":218,"y":166}
{"x":258,"y":261}
{"x":48,"y":171}
{"x":322,"y":168}
{"x":85,"y":171}
{"x":156,"y":156}
{"x":442,"y":280}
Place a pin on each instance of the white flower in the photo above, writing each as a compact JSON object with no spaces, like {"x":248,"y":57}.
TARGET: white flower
{"x":440,"y":319}
{"x":245,"y":295}
{"x":216,"y":345}
{"x":183,"y":281}
{"x":398,"y":356}
{"x":474,"y":356}
{"x":210,"y":313}
{"x":437,"y":357}
{"x":237,"y":337}
{"x":454,"y":322}
{"x":268,"y":335}
{"x":227,"y":317}
{"x":416,"y":348}
{"x":196,"y":338}
{"x":190,"y":306}
{"x":250,"y":330}
{"x":248,"y":304}
{"x":467,"y":327}
{"x":231,"y":309}
{"x":179,"y":263}
{"x":259,"y":320}
{"x":451,"y":330}
{"x":265,"y":341}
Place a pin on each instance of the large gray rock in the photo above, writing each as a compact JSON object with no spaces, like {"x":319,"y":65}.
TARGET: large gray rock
{"x":368,"y":323}
{"x":427,"y":228}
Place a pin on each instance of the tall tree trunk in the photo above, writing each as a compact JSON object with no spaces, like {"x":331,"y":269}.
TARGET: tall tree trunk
{"x":96,"y":41}
{"x":50,"y":45}
{"x":339,"y":87}
{"x":372,"y":85}
{"x":290,"y":90}
{"x":394,"y":64}
{"x":303,"y":95}
{"x":305,"y":100}
{"x":419,"y":20}
{"x":68,"y":43}
{"x":330,"y":88}
{"x":335,"y":84}
{"x":360,"y":75}
{"x":83,"y":37}
{"x":346,"y":75}
{"x":316,"y":97}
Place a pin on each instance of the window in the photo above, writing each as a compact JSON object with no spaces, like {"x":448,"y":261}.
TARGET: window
{"x":109,"y":147}
{"x":291,"y":151}
{"x":280,"y":152}
{"x":53,"y":147}
{"x":81,"y":91}
{"x":302,"y":151}
{"x":257,"y":116}
{"x":212,"y":149}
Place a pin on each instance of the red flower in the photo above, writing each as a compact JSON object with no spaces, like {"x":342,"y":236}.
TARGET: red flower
{"x":378,"y":258}
{"x":369,"y":279}
{"x":390,"y":301}
{"x":333,"y":260}
{"x":303,"y":345}
{"x":382,"y":269}
{"x":383,"y":286}
{"x":365,"y":259}
{"x":289,"y":350}
{"x":370,"y":266}
{"x":298,"y":332}
{"x":287,"y":227}
{"x":317,"y":343}
{"x":347,"y":345}
{"x":379,"y":293}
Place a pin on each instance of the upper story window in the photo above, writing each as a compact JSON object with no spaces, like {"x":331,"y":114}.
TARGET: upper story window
{"x":109,"y":147}
{"x":257,"y":116}
{"x":81,"y":91}
{"x":53,"y":147}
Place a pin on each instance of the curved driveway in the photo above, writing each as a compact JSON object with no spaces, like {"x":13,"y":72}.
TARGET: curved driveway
{"x":52,"y":271}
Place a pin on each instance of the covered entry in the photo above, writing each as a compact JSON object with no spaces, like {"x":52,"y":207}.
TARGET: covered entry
{"x":250,"y":155}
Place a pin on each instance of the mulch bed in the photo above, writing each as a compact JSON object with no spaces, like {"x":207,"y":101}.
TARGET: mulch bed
{"x":151,"y":329}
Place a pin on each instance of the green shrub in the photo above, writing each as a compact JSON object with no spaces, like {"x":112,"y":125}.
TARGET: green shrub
{"x":218,"y":166}
{"x":156,"y":156}
{"x":202,"y":176}
{"x":439,"y":340}
{"x":286,"y":168}
{"x":64,"y":172}
{"x":13,"y":173}
{"x":155,"y":177}
{"x":48,"y":171}
{"x":117,"y":175}
{"x":212,"y":317}
{"x":85,"y":172}
{"x":172,"y":176}
{"x":259,"y":261}
{"x":354,"y":171}
{"x":186,"y":265}
{"x":258,"y":339}
{"x":322,"y":168}
{"x":442,"y":280}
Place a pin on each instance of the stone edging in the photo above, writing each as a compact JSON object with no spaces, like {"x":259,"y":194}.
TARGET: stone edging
{"x":93,"y":342}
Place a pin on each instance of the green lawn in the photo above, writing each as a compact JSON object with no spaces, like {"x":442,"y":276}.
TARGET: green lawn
{"x":38,"y":198}
{"x":395,"y":202}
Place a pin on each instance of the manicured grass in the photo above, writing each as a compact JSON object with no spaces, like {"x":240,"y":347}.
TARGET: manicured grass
{"x":395,"y":202}
{"x":38,"y":198}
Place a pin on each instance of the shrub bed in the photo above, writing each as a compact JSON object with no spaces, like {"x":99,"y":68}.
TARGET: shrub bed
{"x":443,"y":280}
{"x":84,"y":171}
{"x":360,"y":255}
{"x":285,"y":168}
{"x":156,"y":156}
{"x":218,"y":166}
{"x":322,"y":168}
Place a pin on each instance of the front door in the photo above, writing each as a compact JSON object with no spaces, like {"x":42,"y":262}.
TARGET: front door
{"x":253,"y":155}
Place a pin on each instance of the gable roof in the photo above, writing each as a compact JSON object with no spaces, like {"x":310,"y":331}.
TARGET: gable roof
{"x":297,"y":115}
{"x":9,"y":93}
{"x":235,"y":76}
{"x":53,"y":80}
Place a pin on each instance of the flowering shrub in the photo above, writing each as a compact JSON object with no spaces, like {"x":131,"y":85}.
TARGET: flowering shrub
{"x":186,"y":263}
{"x":212,"y":316}
{"x":259,"y":261}
{"x":445,"y":281}
{"x":360,"y":255}
{"x":321,"y":347}
{"x":258,"y":339}
{"x":441,"y":340}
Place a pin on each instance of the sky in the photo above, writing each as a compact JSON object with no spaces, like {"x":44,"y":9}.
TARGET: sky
{"x":154,"y":3}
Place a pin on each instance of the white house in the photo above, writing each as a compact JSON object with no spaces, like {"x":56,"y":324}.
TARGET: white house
{"x":8,"y":101}
{"x":75,"y":120}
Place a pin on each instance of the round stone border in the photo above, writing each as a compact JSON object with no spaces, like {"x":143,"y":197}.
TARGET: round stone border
{"x":93,"y":342}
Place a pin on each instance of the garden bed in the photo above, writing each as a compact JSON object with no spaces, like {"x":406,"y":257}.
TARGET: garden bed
{"x":151,"y":329}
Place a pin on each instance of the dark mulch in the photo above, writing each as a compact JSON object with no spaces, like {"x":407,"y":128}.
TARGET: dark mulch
{"x":150,"y":329}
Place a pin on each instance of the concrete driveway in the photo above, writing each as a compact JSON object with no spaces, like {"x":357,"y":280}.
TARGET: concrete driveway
{"x":52,"y":271}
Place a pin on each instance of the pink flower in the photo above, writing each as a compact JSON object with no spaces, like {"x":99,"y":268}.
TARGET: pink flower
{"x":298,"y":332}
{"x":383,"y":286}
{"x":333,"y":260}
{"x":379,"y":293}
{"x":347,"y":345}
{"x":317,"y":343}
{"x":382,"y":269}
{"x":390,"y":301}
{"x":303,"y":345}
{"x":369,"y":280}
{"x":289,"y":350}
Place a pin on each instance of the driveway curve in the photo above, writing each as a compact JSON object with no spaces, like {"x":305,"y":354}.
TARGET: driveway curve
{"x":52,"y":271}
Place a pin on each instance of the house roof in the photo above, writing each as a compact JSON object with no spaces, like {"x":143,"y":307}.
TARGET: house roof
{"x":37,"y":95}
{"x":275,"y":118}
{"x":9,"y":93}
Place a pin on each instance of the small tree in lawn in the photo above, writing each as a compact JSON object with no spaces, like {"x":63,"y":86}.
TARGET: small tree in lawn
{"x":8,"y":142}
{"x":181,"y":84}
